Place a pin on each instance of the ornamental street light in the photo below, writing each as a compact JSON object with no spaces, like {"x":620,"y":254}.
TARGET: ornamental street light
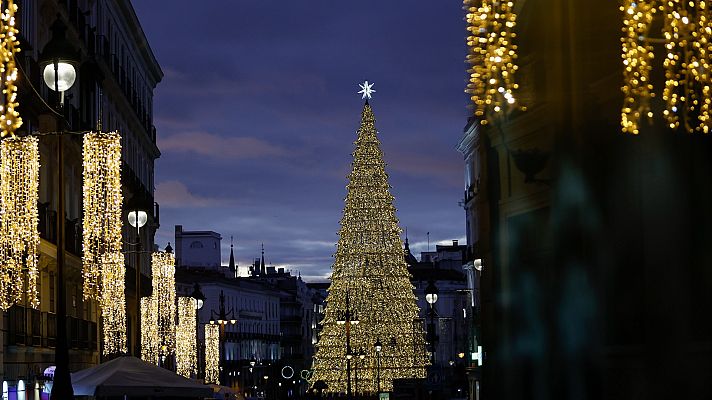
{"x":348,"y":318}
{"x":431,"y":296}
{"x":361,"y":356}
{"x":223,"y":318}
{"x":137,"y":218}
{"x":378,"y":347}
{"x":199,"y":298}
{"x":58,"y":62}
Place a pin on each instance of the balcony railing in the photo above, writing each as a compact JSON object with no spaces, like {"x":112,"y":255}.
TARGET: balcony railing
{"x":29,"y":327}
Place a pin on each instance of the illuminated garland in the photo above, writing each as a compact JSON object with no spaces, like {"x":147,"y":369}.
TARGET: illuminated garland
{"x":113,"y":303}
{"x":212,"y":354}
{"x":150,"y":342}
{"x":369,"y":265}
{"x":186,"y":350}
{"x":19,"y":238}
{"x":687,"y":35}
{"x":492,"y":54}
{"x":102,"y":206}
{"x":164,"y":294}
{"x":637,"y":55}
{"x":9,"y":45}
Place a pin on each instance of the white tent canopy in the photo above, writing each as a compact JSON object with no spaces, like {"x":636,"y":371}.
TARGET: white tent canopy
{"x":130,"y":376}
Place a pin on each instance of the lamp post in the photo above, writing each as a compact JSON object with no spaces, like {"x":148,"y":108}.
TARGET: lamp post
{"x":431,"y":296}
{"x":361,"y":355}
{"x":137,"y":219}
{"x":223,"y":318}
{"x":199,"y":298}
{"x":378,"y":347}
{"x":58,"y":62}
{"x":348,"y":318}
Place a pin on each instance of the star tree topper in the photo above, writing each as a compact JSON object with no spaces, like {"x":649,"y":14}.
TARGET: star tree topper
{"x":366,"y":90}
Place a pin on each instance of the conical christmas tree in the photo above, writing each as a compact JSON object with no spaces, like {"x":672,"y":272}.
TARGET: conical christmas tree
{"x":371,"y":282}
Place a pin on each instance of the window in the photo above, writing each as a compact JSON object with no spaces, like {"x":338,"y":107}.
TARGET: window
{"x":196,"y":245}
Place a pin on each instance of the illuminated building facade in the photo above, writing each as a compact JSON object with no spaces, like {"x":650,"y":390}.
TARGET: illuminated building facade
{"x":115,"y":82}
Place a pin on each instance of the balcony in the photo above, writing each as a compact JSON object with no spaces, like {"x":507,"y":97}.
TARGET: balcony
{"x":47,"y":226}
{"x":30,"y":327}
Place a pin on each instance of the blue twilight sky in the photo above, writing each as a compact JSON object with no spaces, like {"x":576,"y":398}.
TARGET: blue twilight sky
{"x":257,"y":114}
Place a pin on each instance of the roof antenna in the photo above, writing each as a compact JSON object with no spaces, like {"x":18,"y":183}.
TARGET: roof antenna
{"x":428,"y":234}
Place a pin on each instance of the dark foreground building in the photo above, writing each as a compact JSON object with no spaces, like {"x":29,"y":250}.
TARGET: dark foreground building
{"x":597,"y":279}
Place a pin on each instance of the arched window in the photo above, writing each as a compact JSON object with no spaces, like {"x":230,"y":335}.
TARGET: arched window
{"x":196,"y":245}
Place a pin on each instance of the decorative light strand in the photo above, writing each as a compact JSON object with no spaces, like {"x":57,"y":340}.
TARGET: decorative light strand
{"x":9,"y":117}
{"x":113,"y":303}
{"x":370,"y":267}
{"x":164,"y":294}
{"x":637,"y":56}
{"x":102,"y":206}
{"x":687,"y":35}
{"x":186,"y":349}
{"x":19,"y":237}
{"x":150,"y":342}
{"x":212,"y":354}
{"x":492,"y":54}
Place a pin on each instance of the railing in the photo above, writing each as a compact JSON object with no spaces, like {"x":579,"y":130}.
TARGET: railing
{"x":29,"y":327}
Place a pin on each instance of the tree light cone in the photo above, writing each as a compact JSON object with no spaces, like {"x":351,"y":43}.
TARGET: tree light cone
{"x":369,"y":265}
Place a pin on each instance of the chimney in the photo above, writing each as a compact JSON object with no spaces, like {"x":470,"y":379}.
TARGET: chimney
{"x":454,"y":242}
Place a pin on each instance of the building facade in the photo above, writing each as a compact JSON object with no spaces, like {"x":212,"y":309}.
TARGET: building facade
{"x":114,"y":87}
{"x":450,"y":316}
{"x":594,"y":284}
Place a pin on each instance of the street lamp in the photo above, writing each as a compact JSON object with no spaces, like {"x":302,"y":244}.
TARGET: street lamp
{"x":347,"y":318}
{"x":223,"y":318}
{"x":361,"y":355}
{"x":431,"y":296}
{"x":58,"y":61}
{"x":378,"y":347}
{"x":199,"y":301}
{"x":137,"y":219}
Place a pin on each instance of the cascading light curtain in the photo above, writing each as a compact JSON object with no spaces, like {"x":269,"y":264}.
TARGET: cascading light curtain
{"x":164,"y":294}
{"x":158,"y":312}
{"x":212,"y":354}
{"x":102,"y":207}
{"x":150,"y":342}
{"x":687,"y":39}
{"x":9,"y":117}
{"x":186,"y":349}
{"x":113,"y":303}
{"x":492,"y":54}
{"x":19,"y":237}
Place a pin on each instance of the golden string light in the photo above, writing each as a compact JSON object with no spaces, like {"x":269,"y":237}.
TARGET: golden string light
{"x":212,"y":354}
{"x":186,"y":349}
{"x":164,"y":294}
{"x":687,"y":38}
{"x":150,"y":342}
{"x":102,"y":206}
{"x":369,"y":266}
{"x":9,"y":45}
{"x":19,"y":237}
{"x":113,"y":303}
{"x":492,"y":54}
{"x":637,"y":56}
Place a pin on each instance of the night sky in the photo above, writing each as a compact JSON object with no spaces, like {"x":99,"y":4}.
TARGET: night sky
{"x":258,"y":111}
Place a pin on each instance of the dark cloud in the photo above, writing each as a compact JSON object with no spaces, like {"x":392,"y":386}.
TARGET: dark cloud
{"x":258,"y":111}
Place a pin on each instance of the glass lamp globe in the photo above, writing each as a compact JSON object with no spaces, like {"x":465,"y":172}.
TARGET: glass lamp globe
{"x":66,"y":75}
{"x":431,"y":298}
{"x":198,"y":304}
{"x":138,"y":218}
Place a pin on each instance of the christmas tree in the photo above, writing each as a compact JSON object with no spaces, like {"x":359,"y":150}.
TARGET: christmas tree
{"x":369,"y":284}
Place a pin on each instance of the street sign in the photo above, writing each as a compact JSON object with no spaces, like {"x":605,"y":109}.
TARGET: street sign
{"x":384,"y":396}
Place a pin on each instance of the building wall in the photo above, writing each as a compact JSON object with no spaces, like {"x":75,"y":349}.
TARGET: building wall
{"x":577,"y":254}
{"x":120,"y":89}
{"x":197,"y":248}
